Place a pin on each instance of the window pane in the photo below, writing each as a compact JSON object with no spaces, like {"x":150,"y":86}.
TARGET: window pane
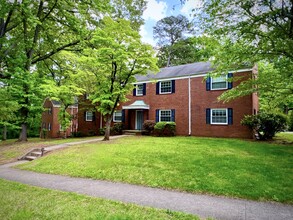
{"x":219,"y":82}
{"x":139,"y":89}
{"x":165,"y":115}
{"x":89,"y":116}
{"x":117,"y":116}
{"x":166,"y":87}
{"x":219,"y":116}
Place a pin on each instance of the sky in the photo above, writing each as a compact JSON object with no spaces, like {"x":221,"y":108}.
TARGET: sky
{"x":158,"y":9}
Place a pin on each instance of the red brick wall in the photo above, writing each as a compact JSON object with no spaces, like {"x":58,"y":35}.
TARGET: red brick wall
{"x":201,"y":99}
{"x":87,"y":127}
{"x":53,"y":120}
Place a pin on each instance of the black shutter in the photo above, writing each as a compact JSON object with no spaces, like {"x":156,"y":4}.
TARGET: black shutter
{"x":94,"y":116}
{"x":84,"y":116}
{"x":230,"y":83}
{"x":144,"y":89}
{"x":134,"y":90}
{"x":123,"y":116}
{"x":157,"y":115}
{"x":173,"y":86}
{"x":230,"y":116}
{"x":158,"y":88}
{"x":173,"y":115}
{"x":208,"y":84}
{"x":208,"y":116}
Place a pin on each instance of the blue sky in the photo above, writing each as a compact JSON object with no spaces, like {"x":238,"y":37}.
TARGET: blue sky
{"x":158,"y":9}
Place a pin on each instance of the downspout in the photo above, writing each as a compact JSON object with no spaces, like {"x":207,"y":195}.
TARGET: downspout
{"x":189,"y":106}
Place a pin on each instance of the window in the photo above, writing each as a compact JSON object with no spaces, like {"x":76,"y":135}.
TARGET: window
{"x":49,"y":127}
{"x":219,"y":82}
{"x":165,"y":115}
{"x":117,"y":117}
{"x":89,"y":116}
{"x":50,"y":111}
{"x":219,"y":116}
{"x":165,"y":87}
{"x":139,"y":90}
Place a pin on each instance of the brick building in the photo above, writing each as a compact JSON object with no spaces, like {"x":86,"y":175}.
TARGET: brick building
{"x":50,"y":127}
{"x":181,"y":94}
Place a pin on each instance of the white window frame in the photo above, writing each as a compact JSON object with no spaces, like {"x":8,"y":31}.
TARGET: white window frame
{"x":219,"y":123}
{"x":141,"y":90}
{"x":170,"y":81}
{"x":50,"y":110}
{"x":216,"y":78}
{"x":114,"y":116}
{"x":89,"y":117}
{"x":165,"y":110}
{"x":49,"y":126}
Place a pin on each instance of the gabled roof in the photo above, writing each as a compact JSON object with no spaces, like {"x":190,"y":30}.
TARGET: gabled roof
{"x":178,"y":71}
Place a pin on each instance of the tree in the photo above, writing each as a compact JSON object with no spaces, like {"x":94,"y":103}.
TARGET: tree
{"x":33,"y":31}
{"x":64,"y":84}
{"x":130,"y":10}
{"x":8,"y":108}
{"x":189,"y":50}
{"x":170,"y":30}
{"x":254,"y":32}
{"x":114,"y":57}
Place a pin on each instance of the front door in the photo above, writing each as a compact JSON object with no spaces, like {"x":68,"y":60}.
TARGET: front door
{"x":139,"y":120}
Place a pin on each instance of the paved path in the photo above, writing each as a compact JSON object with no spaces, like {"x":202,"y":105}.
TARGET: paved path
{"x":201,"y":205}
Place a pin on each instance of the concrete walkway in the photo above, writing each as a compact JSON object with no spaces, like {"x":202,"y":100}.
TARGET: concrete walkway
{"x":201,"y":205}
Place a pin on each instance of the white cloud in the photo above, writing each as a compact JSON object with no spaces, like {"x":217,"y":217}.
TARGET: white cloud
{"x":189,"y":5}
{"x":155,"y":10}
{"x":146,"y":37}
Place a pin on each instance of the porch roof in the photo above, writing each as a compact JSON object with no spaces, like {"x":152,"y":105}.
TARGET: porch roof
{"x":138,"y":104}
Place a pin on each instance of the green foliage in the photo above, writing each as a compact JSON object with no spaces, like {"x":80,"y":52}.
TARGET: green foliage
{"x":116,"y":54}
{"x":149,"y":126}
{"x":262,"y":33}
{"x":117,"y":128}
{"x":165,"y":129}
{"x":184,"y":51}
{"x":266,"y":125}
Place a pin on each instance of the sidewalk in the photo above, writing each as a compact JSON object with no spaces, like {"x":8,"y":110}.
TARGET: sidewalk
{"x":201,"y":205}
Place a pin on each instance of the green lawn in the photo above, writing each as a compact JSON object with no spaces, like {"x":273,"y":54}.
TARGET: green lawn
{"x":19,"y":201}
{"x":230,"y":167}
{"x":10,"y":149}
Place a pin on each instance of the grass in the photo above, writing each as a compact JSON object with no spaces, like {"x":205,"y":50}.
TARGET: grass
{"x":284,"y":138}
{"x":19,"y":201}
{"x":10,"y":149}
{"x":230,"y":167}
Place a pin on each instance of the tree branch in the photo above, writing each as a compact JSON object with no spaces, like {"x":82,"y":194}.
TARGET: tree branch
{"x":47,"y":55}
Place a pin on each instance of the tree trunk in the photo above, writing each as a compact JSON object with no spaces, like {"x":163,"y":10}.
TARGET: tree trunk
{"x":23,"y":133}
{"x":4,"y":137}
{"x":108,"y":127}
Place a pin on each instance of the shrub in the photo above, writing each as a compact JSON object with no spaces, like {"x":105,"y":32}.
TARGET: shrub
{"x":117,"y":128}
{"x":148,"y":126}
{"x":165,"y":129}
{"x":266,"y":125}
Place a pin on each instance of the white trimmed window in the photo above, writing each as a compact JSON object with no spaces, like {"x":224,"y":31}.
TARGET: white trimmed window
{"x":165,"y":87}
{"x":117,"y":116}
{"x":165,"y":115}
{"x":49,"y":127}
{"x":139,"y":90}
{"x":50,"y":111}
{"x":219,"y":82}
{"x":219,"y":116}
{"x":89,"y":116}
